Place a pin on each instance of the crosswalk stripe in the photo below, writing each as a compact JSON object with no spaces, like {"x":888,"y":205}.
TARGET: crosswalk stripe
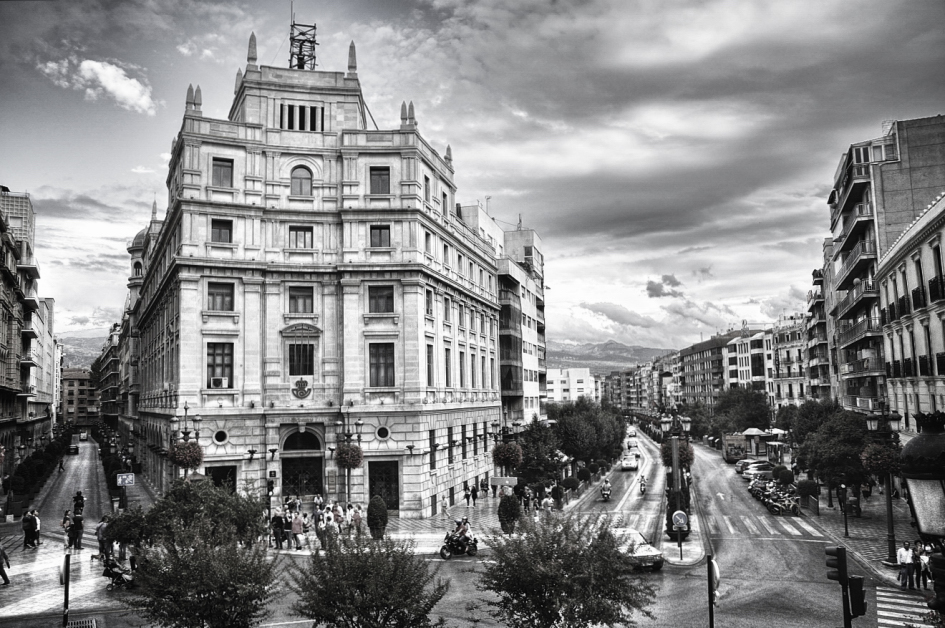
{"x":634,"y":521}
{"x":808,"y":527}
{"x":789,"y":528}
{"x":764,"y":522}
{"x":728,"y":524}
{"x":894,"y":608}
{"x":748,"y":524}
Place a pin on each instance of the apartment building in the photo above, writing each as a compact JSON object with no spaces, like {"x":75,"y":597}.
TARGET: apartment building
{"x":819,"y":377}
{"x":703,"y":369}
{"x":789,"y":374}
{"x":914,"y":326}
{"x":572,"y":384}
{"x":79,"y":397}
{"x":880,"y":187}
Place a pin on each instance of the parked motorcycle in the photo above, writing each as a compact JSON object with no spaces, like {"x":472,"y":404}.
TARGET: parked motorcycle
{"x":452,"y":545}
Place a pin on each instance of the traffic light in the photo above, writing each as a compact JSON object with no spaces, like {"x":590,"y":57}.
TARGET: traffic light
{"x":857,"y":597}
{"x":837,"y":561}
{"x":271,"y":486}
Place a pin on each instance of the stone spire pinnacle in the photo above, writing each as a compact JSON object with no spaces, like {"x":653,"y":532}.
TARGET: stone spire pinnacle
{"x":154,"y":209}
{"x":198,"y":99}
{"x":190,"y":96}
{"x":403,"y":112}
{"x":352,"y":61}
{"x":410,"y":118}
{"x":449,"y":155}
{"x":239,"y":80}
{"x":251,"y":54}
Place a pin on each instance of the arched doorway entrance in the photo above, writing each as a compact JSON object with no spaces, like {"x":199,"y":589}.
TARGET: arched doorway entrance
{"x":303,"y":459}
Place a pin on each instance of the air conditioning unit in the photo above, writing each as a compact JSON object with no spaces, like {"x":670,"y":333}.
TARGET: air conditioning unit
{"x":219,"y":382}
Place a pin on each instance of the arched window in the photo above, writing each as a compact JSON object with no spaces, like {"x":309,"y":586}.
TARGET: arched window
{"x":301,"y":441}
{"x":301,"y":181}
{"x":137,"y":269}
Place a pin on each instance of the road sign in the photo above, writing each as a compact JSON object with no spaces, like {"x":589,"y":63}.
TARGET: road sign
{"x":680,"y":519}
{"x":497,"y":481}
{"x":126,"y":479}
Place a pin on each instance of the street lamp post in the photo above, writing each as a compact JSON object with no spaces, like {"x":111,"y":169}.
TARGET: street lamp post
{"x":678,"y":428}
{"x":886,"y":430}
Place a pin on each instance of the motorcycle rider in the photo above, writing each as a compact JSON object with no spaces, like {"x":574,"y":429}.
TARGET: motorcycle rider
{"x":461,"y":532}
{"x":643,"y":484}
{"x":605,"y":489}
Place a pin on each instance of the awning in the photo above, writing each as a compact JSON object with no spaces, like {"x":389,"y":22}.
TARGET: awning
{"x":776,"y":442}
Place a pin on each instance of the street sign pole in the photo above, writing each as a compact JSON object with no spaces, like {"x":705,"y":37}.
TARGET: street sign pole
{"x":712,"y":589}
{"x":64,"y":579}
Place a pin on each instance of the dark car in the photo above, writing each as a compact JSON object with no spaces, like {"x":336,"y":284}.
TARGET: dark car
{"x":73,"y":450}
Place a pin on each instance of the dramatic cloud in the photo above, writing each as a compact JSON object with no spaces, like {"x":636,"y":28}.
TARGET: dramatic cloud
{"x":657,"y":289}
{"x":98,"y":78}
{"x":619,"y":314}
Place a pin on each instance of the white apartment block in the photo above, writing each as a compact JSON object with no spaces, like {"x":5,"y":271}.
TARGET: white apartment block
{"x":572,"y":384}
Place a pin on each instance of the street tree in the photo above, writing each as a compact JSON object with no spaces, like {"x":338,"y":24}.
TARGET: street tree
{"x":586,"y":431}
{"x":810,"y":416}
{"x":204,"y":568}
{"x":539,"y":452}
{"x":786,"y":417}
{"x":365,"y":583}
{"x":739,"y":409}
{"x":834,"y":450}
{"x":564,"y":572}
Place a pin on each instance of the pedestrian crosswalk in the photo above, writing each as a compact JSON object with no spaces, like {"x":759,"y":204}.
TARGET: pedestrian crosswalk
{"x":898,"y":608}
{"x":761,"y":525}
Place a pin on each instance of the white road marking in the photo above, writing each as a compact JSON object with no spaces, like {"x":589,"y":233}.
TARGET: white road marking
{"x":790,"y":529}
{"x":764,"y":522}
{"x":728,"y":524}
{"x":810,"y":529}
{"x":748,"y":524}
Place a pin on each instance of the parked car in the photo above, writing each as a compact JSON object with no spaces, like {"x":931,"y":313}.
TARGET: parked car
{"x":758,"y":474}
{"x":632,"y":432}
{"x":744,"y":465}
{"x":644,"y":555}
{"x":629,"y":463}
{"x":632,"y":443}
{"x":73,"y":450}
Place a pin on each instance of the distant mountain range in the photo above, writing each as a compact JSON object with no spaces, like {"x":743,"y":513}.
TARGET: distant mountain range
{"x":601,"y":357}
{"x":81,"y":351}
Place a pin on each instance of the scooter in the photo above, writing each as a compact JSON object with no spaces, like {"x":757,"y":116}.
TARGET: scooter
{"x":642,"y":488}
{"x":605,"y":494}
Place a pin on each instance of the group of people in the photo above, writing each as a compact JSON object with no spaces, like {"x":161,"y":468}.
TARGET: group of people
{"x":292,"y":527}
{"x":914,"y":566}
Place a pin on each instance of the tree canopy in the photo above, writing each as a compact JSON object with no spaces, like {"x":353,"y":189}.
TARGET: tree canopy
{"x":834,"y":450}
{"x":739,"y":409}
{"x":587,"y":431}
{"x":539,"y":452}
{"x":564,"y":572}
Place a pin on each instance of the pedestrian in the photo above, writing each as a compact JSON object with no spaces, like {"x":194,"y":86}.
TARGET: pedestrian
{"x":61,"y":467}
{"x":495,"y":487}
{"x":287,"y":529}
{"x":78,"y":524}
{"x":278,"y":528}
{"x":475,"y":494}
{"x":297,"y":531}
{"x":527,"y":500}
{"x":39,"y":525}
{"x":100,"y":537}
{"x":307,"y":530}
{"x":66,"y":524}
{"x":484,"y":487}
{"x":78,"y":503}
{"x":904,"y":558}
{"x":349,"y":518}
{"x":29,"y":526}
{"x":466,"y":495}
{"x":317,"y":510}
{"x":4,"y":559}
{"x":925,"y":568}
{"x":356,"y":519}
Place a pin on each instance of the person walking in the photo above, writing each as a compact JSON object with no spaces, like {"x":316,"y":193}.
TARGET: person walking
{"x":297,"y":531}
{"x":29,"y":526}
{"x":100,"y":537}
{"x":444,"y":506}
{"x":484,"y":487}
{"x":4,"y":559}
{"x":66,"y":525}
{"x":356,"y":518}
{"x":474,"y":492}
{"x":78,"y":525}
{"x":466,"y":495}
{"x":904,"y":558}
{"x":278,"y":528}
{"x":925,"y":569}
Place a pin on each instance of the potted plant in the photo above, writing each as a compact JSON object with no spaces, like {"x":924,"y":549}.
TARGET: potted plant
{"x":806,"y":489}
{"x":377,"y":517}
{"x":510,"y":511}
{"x":507,"y":455}
{"x":187,"y":455}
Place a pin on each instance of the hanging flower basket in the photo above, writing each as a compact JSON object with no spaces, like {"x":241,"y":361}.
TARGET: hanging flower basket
{"x":507,"y":455}
{"x":349,"y":456}
{"x":187,"y":455}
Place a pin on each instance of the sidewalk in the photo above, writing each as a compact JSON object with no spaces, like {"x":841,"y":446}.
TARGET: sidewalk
{"x":867,"y":533}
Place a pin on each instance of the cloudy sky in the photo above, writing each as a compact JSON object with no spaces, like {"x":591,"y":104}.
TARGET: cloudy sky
{"x":675,"y":156}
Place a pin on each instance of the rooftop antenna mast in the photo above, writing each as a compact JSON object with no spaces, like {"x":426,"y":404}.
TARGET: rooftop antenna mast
{"x":302,"y":45}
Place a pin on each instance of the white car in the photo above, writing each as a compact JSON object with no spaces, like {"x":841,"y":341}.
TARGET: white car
{"x":629,"y":464}
{"x":632,"y":432}
{"x":632,"y":443}
{"x":644,"y":555}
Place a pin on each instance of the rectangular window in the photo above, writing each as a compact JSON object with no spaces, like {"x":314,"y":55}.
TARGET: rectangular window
{"x":461,"y":315}
{"x":483,"y":373}
{"x":380,"y":180}
{"x":459,"y":263}
{"x":222,"y":176}
{"x":221,"y":231}
{"x":462,"y":369}
{"x":301,"y":300}
{"x":449,"y":445}
{"x":380,"y":299}
{"x":446,"y":206}
{"x":447,"y":362}
{"x":432,"y":449}
{"x":428,"y":243}
{"x":382,"y":364}
{"x":447,"y":308}
{"x":426,"y":188}
{"x":446,"y":254}
{"x":429,"y":303}
{"x":300,"y":237}
{"x":380,"y":235}
{"x":472,"y":370}
{"x":429,"y":365}
{"x":219,"y":365}
{"x":301,"y":360}
{"x":220,"y":297}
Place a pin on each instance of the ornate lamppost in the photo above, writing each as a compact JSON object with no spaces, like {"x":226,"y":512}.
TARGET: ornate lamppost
{"x":348,"y":462}
{"x":923,"y":468}
{"x":678,"y":430}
